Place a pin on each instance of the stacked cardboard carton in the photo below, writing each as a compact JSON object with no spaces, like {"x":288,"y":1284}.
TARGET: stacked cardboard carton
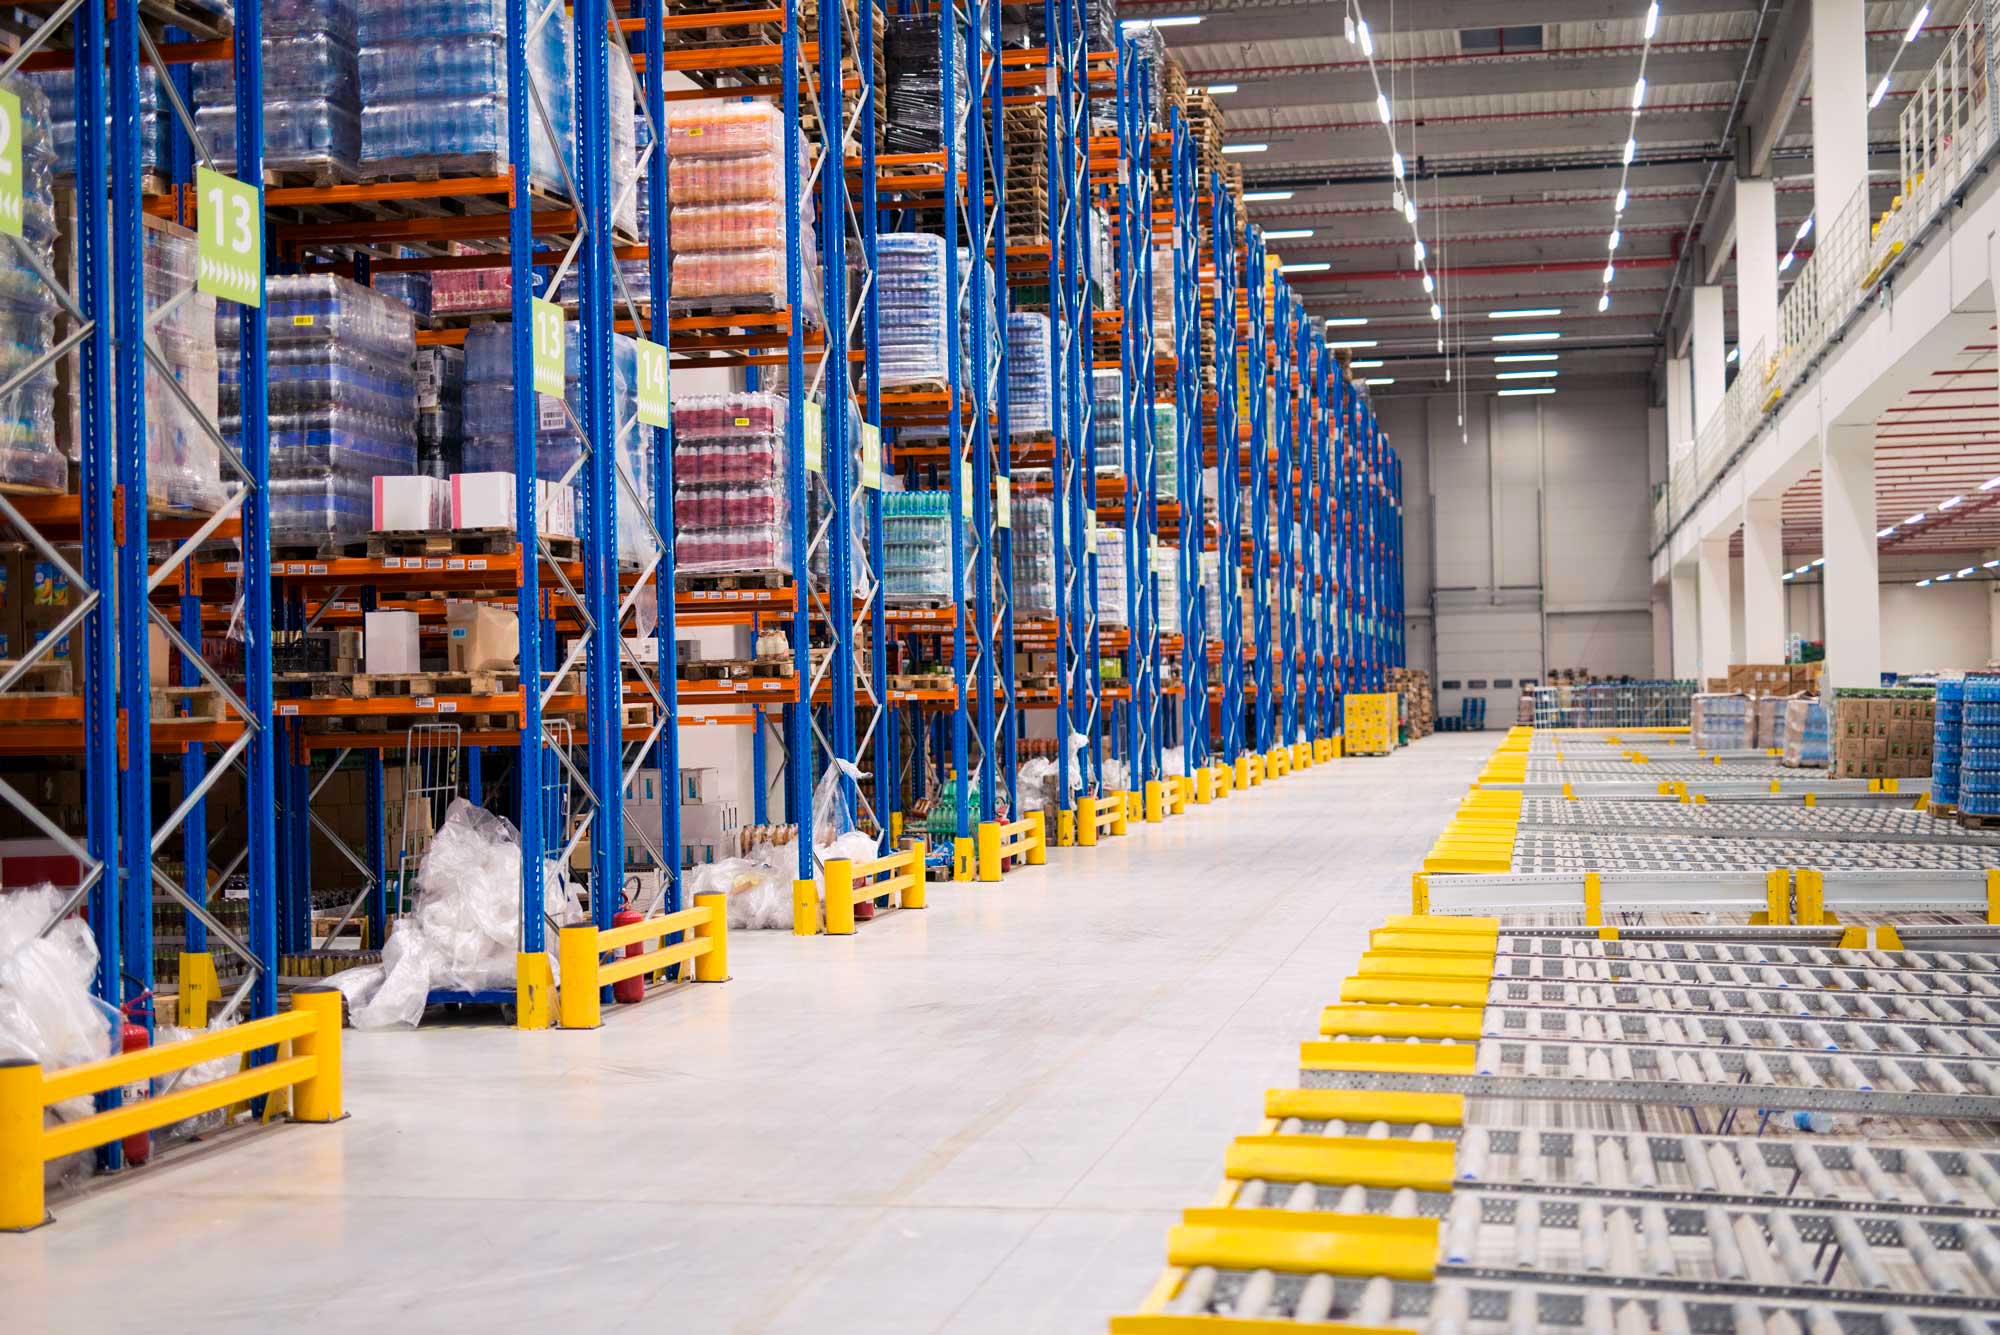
{"x":1885,"y":734}
{"x":1413,"y":687}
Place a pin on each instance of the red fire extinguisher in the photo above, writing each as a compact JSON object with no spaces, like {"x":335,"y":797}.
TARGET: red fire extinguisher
{"x":629,"y":990}
{"x":133,"y":1037}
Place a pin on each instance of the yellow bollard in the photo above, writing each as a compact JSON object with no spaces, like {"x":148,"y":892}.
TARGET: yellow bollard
{"x":1086,"y":822}
{"x":839,"y":897}
{"x":805,"y":908}
{"x":577,"y":1004}
{"x":1155,"y":802}
{"x":916,"y":896}
{"x":200,"y":988}
{"x":534,"y":990}
{"x":319,"y":1099}
{"x":1065,"y":829}
{"x":1204,"y":787}
{"x":22,"y":1206}
{"x":1038,"y":851}
{"x":989,"y":850}
{"x":961,"y":859}
{"x":1242,"y":771}
{"x":714,"y":966}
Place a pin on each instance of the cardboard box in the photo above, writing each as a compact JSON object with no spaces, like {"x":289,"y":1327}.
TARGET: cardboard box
{"x":405,"y":504}
{"x":390,"y":643}
{"x":480,"y":637}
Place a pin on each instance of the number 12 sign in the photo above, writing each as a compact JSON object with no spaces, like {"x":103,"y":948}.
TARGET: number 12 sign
{"x":230,"y":244}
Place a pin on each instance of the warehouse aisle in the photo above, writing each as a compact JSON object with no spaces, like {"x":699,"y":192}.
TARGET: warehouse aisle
{"x":979,"y":1118}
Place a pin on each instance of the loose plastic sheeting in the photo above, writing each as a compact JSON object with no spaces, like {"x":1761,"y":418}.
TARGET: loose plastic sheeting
{"x":48,"y":1013}
{"x":760,"y":893}
{"x":466,"y":927}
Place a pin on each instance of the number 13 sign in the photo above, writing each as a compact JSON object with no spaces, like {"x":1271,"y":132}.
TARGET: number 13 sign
{"x":230,"y":243}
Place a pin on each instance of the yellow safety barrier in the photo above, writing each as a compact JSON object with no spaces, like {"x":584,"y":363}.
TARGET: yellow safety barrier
{"x":310,"y":1068}
{"x":582,"y":947}
{"x":1099,"y":816}
{"x":999,"y":844}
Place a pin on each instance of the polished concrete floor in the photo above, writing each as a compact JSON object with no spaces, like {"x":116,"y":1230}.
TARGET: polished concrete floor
{"x":978,"y":1118}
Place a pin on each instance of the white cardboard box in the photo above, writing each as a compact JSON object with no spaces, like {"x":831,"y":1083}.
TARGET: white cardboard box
{"x":406,"y":504}
{"x":389,"y":643}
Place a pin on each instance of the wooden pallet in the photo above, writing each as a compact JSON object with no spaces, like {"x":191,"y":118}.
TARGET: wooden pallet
{"x":726,"y":581}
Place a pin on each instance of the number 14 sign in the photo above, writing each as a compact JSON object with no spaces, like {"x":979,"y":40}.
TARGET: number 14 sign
{"x":230,"y":243}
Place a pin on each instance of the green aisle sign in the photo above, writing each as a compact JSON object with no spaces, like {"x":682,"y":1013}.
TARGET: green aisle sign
{"x":871,"y":456}
{"x":230,"y":243}
{"x":11,"y":197}
{"x":547,"y":324}
{"x":654,"y":409}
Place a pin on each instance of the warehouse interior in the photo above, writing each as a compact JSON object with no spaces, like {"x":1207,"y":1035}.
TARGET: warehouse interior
{"x":757,"y":663}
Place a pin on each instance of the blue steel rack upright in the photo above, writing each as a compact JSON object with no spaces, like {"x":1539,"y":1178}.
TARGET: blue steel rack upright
{"x":1229,"y":463}
{"x":1140,"y":461}
{"x":1259,"y":293}
{"x":1189,"y":448}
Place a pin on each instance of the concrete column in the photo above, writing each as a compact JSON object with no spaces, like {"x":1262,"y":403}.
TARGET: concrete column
{"x":1713,"y":567}
{"x":1839,"y":108}
{"x":1853,"y":591}
{"x":1709,"y":356}
{"x":1756,"y":275}
{"x":1763,"y":581}
{"x":1687,"y":624}
{"x":1680,"y":413}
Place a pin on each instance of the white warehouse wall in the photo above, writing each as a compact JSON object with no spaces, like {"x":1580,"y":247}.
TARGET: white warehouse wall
{"x":1525,"y":535}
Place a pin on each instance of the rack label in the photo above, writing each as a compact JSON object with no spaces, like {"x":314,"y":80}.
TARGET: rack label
{"x":653,"y":400}
{"x":548,"y":346}
{"x":1003,"y":501}
{"x":11,"y":198}
{"x":815,"y":436}
{"x":871,"y":456}
{"x":229,"y":246}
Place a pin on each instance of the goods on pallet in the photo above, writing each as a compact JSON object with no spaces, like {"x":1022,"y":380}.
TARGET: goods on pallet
{"x":916,"y":546}
{"x":1029,"y":384}
{"x":729,"y":221}
{"x":1808,"y":741}
{"x":1768,"y":722}
{"x":1979,"y":747}
{"x":60,"y":88}
{"x":29,"y":454}
{"x":909,"y":282}
{"x":1111,"y":607}
{"x":183,"y":464}
{"x":342,"y":399}
{"x":1413,"y":687}
{"x":1107,"y":418}
{"x":434,"y":90}
{"x":312,"y":91}
{"x":1947,"y":740}
{"x":1034,"y":556}
{"x":1882,"y":734}
{"x":440,"y":410}
{"x":913,"y":52}
{"x":1720,"y":721}
{"x":731,"y":502}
